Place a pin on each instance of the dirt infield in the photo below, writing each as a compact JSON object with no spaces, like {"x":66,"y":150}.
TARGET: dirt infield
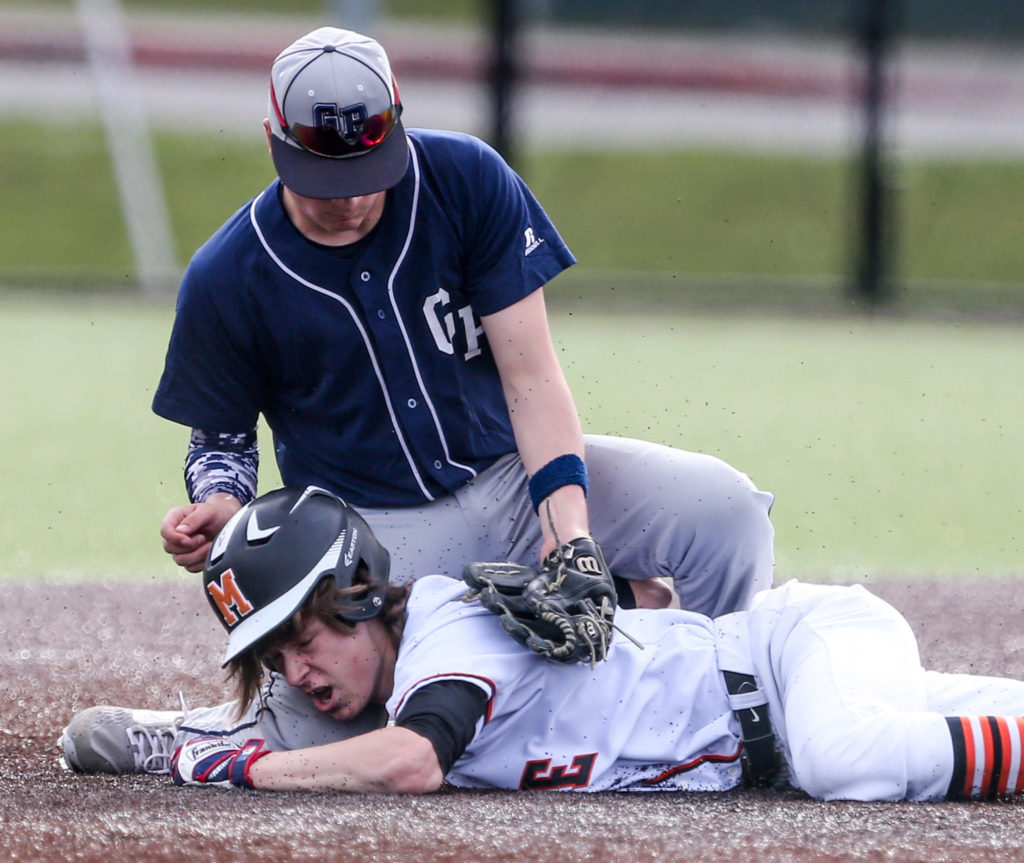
{"x":68,"y":647}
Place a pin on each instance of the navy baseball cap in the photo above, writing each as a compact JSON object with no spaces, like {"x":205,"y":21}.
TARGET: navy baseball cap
{"x":335,"y":116}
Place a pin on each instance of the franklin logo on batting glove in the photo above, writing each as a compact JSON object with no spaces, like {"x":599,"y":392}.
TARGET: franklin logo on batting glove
{"x":216,"y":761}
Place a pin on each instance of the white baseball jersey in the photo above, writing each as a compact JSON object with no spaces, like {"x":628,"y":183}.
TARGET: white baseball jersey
{"x":668,"y":727}
{"x":855,"y":715}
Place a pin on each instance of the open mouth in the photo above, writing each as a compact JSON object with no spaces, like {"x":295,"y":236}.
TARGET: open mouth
{"x":322,"y":696}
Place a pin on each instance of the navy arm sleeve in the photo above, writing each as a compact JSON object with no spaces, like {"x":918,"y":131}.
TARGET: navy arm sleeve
{"x":446,"y":713}
{"x":220,"y":462}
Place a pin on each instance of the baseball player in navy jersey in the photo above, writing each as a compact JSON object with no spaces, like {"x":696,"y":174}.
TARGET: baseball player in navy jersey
{"x":819,"y":687}
{"x":381,"y":305}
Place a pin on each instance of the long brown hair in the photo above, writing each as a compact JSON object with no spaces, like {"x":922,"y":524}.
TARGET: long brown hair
{"x":327,"y":602}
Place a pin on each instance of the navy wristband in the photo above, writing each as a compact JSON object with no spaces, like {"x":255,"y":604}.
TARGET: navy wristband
{"x":567,"y":469}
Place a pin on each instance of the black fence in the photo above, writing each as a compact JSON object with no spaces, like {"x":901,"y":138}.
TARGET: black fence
{"x":976,"y":19}
{"x":874,"y":30}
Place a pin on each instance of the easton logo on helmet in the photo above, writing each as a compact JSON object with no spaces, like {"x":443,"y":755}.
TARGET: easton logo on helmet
{"x":350,"y":554}
{"x":229,"y":599}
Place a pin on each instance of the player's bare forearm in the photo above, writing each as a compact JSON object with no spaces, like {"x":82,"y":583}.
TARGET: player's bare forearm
{"x":563,"y":513}
{"x":540,"y":404}
{"x":544,"y":419}
{"x":387,"y":761}
{"x":539,"y":401}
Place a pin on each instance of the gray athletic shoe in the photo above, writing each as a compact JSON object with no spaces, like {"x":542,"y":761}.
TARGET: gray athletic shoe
{"x":108,"y":739}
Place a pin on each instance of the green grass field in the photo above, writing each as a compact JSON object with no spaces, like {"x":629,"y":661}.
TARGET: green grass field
{"x":892,"y":447}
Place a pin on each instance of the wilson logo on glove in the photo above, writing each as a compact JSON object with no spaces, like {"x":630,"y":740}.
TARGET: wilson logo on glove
{"x":588,"y":565}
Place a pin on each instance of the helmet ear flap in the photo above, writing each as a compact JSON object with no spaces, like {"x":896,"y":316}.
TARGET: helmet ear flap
{"x":366,"y":609}
{"x":365,"y":561}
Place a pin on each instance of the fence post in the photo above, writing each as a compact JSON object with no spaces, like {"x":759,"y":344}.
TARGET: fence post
{"x":504,"y":72}
{"x":877,"y":235}
{"x":139,"y":183}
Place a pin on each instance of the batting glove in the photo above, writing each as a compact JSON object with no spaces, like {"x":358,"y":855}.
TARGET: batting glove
{"x":216,"y":761}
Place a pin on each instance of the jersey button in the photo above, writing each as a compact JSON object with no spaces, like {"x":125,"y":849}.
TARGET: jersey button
{"x":365,"y":276}
{"x":411,"y":403}
{"x":437,"y":464}
{"x":380,"y":314}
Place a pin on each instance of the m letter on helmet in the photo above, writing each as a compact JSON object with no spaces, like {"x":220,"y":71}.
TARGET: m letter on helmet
{"x":230,"y":601}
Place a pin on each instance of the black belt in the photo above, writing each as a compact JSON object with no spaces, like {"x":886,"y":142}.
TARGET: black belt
{"x":760,"y":757}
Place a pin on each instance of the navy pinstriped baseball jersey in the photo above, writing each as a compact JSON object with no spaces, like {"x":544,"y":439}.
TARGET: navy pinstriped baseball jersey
{"x":368,"y":362}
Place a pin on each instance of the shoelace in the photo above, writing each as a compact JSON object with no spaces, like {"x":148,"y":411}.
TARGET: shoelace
{"x":153,"y":747}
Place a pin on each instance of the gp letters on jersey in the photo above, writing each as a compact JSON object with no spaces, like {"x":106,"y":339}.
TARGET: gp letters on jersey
{"x":450,"y":326}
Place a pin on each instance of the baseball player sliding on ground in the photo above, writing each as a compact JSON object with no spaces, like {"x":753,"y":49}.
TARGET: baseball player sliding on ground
{"x":817,"y":686}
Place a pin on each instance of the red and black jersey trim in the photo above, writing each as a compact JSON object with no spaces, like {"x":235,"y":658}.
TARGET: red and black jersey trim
{"x":489,"y":685}
{"x":687,"y":766}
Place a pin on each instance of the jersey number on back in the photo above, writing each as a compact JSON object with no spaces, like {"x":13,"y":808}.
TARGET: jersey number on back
{"x":540,"y":773}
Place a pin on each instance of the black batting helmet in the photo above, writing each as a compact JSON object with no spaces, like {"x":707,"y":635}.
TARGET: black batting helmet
{"x":276,"y":549}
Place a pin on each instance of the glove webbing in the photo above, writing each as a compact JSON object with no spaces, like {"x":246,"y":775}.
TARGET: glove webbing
{"x":568,"y":633}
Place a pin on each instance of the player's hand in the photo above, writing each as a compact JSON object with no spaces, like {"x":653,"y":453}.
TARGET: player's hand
{"x":187,"y":531}
{"x":216,"y":761}
{"x":563,"y":518}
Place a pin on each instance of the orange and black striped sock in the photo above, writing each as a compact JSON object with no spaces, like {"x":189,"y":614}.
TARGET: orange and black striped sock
{"x":987,"y":756}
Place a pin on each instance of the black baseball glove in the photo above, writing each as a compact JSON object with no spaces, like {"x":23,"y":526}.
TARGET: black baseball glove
{"x":564,"y":612}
